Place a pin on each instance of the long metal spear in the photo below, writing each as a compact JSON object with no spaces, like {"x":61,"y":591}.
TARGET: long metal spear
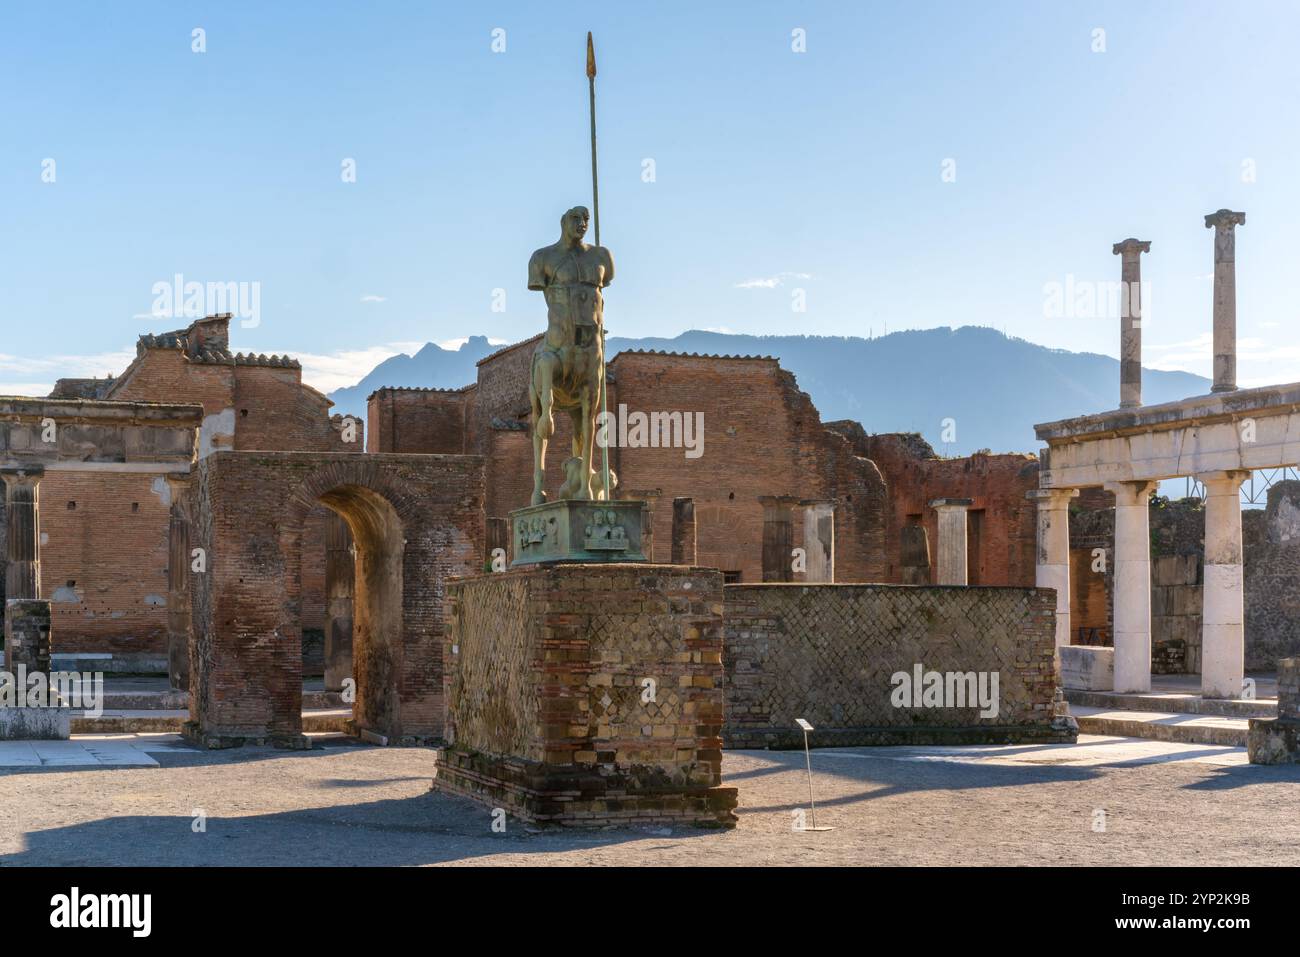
{"x":595,"y":205}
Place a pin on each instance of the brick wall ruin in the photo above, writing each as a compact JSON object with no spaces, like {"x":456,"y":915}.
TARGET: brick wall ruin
{"x":1001,"y":523}
{"x":104,"y":508}
{"x":106,"y":550}
{"x":763,"y":437}
{"x":416,"y":520}
{"x":826,"y":653}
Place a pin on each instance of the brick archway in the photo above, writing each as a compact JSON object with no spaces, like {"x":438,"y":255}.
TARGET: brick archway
{"x":416,"y":521}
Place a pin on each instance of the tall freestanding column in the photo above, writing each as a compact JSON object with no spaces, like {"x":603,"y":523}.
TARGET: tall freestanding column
{"x":819,"y":541}
{"x":951,"y":559}
{"x":1225,"y":222}
{"x":1132,"y":585}
{"x":1130,"y":336}
{"x":683,"y":550}
{"x":22,"y":519}
{"x":1052,"y":559}
{"x":1223,"y":631}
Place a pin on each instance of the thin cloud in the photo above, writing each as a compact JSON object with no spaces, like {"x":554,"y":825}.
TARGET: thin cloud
{"x":373,"y":298}
{"x":771,"y":282}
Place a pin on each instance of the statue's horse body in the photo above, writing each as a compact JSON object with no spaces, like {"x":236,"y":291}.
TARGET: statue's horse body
{"x":568,"y":366}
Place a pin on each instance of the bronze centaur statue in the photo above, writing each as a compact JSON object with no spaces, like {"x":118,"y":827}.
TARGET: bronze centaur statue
{"x":568,"y":370}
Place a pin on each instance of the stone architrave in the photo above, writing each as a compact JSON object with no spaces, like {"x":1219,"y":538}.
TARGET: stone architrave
{"x":1130,"y":338}
{"x":1225,"y":223}
{"x":1132,"y":585}
{"x":1223,"y":633}
{"x":952,"y":561}
{"x":1052,"y":558}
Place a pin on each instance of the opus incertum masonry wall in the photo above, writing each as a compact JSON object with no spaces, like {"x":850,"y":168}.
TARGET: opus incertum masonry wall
{"x":830,"y":654}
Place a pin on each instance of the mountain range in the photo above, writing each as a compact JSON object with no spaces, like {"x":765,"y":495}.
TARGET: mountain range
{"x":995,"y":388}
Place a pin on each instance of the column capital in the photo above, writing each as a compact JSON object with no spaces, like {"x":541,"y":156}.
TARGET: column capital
{"x":962,"y":503}
{"x":778,"y":501}
{"x":1052,"y":497}
{"x":1228,"y":477}
{"x":1224,"y":219}
{"x":1131,"y":248}
{"x":1131,"y":493}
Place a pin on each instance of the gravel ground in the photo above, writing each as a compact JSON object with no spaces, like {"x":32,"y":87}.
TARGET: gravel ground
{"x":345,"y":805}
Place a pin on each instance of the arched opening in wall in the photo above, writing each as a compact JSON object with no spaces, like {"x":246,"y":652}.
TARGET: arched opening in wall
{"x":373,"y":611}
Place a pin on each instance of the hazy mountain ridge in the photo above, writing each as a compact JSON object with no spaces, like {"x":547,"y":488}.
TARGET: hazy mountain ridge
{"x":994,"y":387}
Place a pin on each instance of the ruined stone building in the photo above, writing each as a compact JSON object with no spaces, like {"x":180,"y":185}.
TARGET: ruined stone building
{"x":742,"y":443}
{"x":105,"y":532}
{"x":761,"y":456}
{"x":1271,"y":567}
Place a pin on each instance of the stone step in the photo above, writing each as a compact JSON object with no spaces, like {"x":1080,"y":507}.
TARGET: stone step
{"x":137,"y":721}
{"x":1163,"y":726}
{"x":180,"y":700}
{"x":1173,"y":703}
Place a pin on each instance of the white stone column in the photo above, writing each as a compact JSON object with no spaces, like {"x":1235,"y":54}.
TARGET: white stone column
{"x":1052,"y":559}
{"x":1223,"y":629}
{"x":1132,"y":585}
{"x":951,"y":547}
{"x":1130,"y":336}
{"x":1225,"y":223}
{"x":819,"y":541}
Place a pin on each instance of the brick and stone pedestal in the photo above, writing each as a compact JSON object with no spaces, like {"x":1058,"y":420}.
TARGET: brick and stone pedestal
{"x":1277,"y":740}
{"x":27,"y":653}
{"x":589,"y":695}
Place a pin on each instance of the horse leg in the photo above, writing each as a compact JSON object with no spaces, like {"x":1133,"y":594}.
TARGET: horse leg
{"x":542,"y":400}
{"x":588,"y":437}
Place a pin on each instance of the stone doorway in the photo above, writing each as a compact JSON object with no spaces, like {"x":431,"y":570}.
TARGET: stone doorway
{"x":416,"y":520}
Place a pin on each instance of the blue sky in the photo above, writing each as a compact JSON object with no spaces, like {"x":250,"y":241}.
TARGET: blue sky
{"x":774,"y":170}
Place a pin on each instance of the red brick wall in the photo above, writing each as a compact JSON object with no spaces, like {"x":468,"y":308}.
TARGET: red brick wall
{"x":997,"y":485}
{"x":112,"y":548}
{"x":165,"y":375}
{"x":416,"y":420}
{"x":275,"y":411}
{"x":762,"y":436}
{"x":118,"y":557}
{"x":419,"y":520}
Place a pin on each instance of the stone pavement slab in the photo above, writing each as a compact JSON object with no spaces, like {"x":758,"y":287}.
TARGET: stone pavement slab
{"x":1091,"y":751}
{"x":127,"y":750}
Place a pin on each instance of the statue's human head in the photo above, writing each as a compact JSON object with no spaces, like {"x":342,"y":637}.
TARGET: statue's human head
{"x":573,"y":224}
